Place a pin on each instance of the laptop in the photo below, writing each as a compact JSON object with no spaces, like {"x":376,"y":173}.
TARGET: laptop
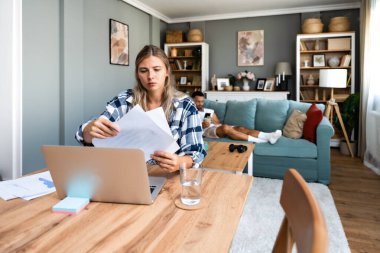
{"x":120,"y":174}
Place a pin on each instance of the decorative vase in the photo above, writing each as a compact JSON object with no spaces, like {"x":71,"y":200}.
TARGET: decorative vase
{"x":173,"y":52}
{"x":344,"y":149}
{"x":333,"y":61}
{"x":310,"y":80}
{"x":213,"y":82}
{"x":246,"y":84}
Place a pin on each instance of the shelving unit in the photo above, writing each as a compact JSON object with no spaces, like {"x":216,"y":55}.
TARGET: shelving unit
{"x":189,"y":63}
{"x":309,"y":45}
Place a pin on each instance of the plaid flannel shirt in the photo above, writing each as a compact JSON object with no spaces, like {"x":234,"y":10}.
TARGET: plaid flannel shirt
{"x":184,"y":124}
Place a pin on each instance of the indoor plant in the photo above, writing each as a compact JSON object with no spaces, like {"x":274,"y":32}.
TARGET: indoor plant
{"x":350,"y":116}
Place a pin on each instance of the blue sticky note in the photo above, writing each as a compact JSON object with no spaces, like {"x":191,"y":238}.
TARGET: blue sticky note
{"x":71,"y":205}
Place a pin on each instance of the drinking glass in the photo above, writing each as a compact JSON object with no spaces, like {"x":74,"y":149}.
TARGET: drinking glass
{"x":191,"y":182}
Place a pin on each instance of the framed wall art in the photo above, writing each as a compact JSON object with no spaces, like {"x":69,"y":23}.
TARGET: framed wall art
{"x":250,"y":48}
{"x":222,"y":82}
{"x":260,"y":83}
{"x":183,"y":80}
{"x":269,"y":84}
{"x":119,"y":43}
{"x":319,"y":60}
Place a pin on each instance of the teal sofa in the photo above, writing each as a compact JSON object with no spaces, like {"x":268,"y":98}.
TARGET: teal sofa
{"x":311,"y":160}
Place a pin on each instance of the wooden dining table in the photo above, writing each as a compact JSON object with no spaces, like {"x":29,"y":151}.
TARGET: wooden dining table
{"x":30,"y":226}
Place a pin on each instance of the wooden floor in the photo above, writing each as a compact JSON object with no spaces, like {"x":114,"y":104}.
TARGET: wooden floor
{"x":356,"y":191}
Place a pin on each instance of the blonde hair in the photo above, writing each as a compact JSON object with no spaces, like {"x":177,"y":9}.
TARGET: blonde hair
{"x":140,"y":93}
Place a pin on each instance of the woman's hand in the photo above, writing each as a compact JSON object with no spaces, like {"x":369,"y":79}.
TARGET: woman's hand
{"x":170,"y":162}
{"x":100,"y":128}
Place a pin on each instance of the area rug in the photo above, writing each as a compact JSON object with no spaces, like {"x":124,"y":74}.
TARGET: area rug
{"x":262,"y":217}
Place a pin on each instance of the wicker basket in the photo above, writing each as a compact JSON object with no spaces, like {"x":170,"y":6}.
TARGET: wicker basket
{"x":339,"y":24}
{"x":174,"y":36}
{"x":312,"y":20}
{"x":312,"y":25}
{"x":195,"y":35}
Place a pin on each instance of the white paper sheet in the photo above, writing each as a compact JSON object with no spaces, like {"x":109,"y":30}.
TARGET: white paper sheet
{"x":138,"y":129}
{"x":28,"y":187}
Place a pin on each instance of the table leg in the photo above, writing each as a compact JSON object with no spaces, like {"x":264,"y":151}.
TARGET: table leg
{"x":250,"y":165}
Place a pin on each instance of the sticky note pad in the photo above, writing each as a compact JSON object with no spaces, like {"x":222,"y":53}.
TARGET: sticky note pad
{"x":71,"y":205}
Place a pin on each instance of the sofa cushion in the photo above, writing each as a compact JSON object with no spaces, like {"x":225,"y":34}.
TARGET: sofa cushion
{"x":294,"y":125}
{"x":302,"y":106}
{"x":241,"y":113}
{"x":314,"y":116}
{"x":286,"y":147}
{"x":219,"y":108}
{"x":271,"y":114}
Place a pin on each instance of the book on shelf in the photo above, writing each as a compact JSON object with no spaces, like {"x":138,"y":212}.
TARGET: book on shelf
{"x":178,"y":64}
{"x":303,"y":46}
{"x":348,"y":80}
{"x":345,"y":61}
{"x":172,"y":64}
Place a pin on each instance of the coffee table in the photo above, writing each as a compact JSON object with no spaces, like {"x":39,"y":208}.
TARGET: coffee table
{"x":30,"y":226}
{"x":220,"y":158}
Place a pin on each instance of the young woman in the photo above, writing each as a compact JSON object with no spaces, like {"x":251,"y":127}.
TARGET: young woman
{"x":154,"y":89}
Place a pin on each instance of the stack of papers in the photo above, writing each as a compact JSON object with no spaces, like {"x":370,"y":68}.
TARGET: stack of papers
{"x":28,"y":187}
{"x":139,"y":129}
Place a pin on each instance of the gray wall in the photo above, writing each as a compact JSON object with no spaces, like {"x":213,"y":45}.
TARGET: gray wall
{"x":67,"y":77}
{"x":279,"y":41}
{"x":40,"y":121}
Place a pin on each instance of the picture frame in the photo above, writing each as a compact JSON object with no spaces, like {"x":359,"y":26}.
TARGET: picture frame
{"x":260,"y":83}
{"x":221,"y":83}
{"x":250,"y":48}
{"x":319,"y":60}
{"x":118,"y":43}
{"x":183,"y":80}
{"x":269,"y":84}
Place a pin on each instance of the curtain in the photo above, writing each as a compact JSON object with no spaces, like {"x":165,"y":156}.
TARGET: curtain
{"x":370,"y":86}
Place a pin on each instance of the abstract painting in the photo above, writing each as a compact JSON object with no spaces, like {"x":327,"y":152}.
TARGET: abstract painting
{"x":251,"y":48}
{"x":119,"y":46}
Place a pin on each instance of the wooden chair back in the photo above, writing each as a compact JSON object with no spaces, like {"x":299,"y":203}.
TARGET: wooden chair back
{"x":303,"y":223}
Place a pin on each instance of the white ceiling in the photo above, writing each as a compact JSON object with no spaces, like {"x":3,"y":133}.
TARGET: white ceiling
{"x":176,"y":11}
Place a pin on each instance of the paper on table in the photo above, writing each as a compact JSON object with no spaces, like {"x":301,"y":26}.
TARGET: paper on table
{"x":138,"y":129}
{"x":4,"y":192}
{"x":27,"y":187}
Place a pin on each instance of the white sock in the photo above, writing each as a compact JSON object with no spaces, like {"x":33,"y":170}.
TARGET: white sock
{"x":275,"y":136}
{"x":271,"y":137}
{"x":256,"y":140}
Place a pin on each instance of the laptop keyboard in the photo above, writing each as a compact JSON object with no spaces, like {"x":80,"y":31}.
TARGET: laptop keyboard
{"x":152,"y":187}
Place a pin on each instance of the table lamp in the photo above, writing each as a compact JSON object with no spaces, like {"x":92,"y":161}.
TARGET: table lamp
{"x":283,"y":72}
{"x":334,"y":78}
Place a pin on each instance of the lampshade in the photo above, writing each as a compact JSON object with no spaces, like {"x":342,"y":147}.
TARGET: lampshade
{"x":332,"y":78}
{"x":283,"y":67}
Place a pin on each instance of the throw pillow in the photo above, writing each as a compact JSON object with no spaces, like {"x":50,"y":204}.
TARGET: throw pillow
{"x":271,"y":114}
{"x":219,"y":108}
{"x":314,"y":116}
{"x":241,"y":113}
{"x":294,"y":125}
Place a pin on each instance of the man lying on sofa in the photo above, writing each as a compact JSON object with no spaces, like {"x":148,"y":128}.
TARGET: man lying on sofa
{"x":212,"y":127}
